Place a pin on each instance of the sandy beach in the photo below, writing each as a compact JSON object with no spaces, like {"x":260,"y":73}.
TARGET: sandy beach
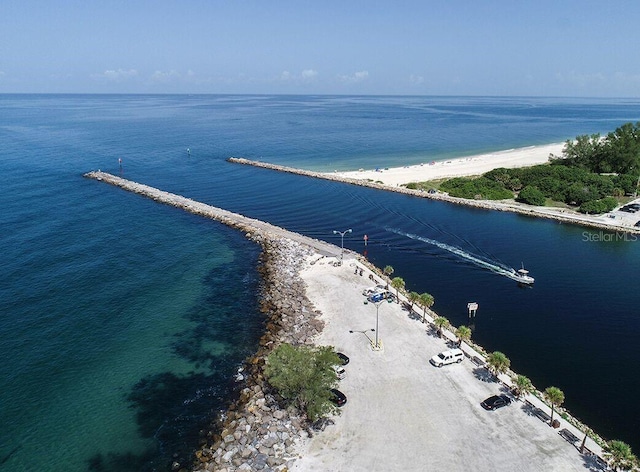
{"x":403,"y":413}
{"x":464,"y":166}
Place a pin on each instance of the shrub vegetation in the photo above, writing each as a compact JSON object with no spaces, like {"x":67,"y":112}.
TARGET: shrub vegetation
{"x":303,"y":375}
{"x":591,"y":174}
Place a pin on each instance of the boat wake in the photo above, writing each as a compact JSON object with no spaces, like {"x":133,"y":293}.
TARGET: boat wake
{"x":493,"y":266}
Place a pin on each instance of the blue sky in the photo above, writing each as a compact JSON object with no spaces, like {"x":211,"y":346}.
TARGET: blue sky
{"x":453,"y":47}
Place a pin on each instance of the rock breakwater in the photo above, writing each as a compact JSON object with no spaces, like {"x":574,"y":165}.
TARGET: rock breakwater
{"x":257,"y":432}
{"x":560,"y":215}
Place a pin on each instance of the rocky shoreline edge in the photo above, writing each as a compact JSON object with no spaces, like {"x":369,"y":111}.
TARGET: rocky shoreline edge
{"x":559,"y":215}
{"x":256,"y":433}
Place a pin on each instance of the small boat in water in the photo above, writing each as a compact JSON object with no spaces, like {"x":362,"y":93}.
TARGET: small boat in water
{"x":522,"y":276}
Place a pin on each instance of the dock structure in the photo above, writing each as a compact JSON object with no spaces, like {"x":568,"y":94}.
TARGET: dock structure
{"x":250,"y":226}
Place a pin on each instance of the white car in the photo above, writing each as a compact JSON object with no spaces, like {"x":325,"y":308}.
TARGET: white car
{"x":447,"y":357}
{"x":340,"y":372}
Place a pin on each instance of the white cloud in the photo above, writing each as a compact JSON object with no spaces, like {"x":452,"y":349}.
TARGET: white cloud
{"x":359,"y":76}
{"x":164,"y":77}
{"x":112,"y":75}
{"x":416,"y":79}
{"x":306,"y":75}
{"x":309,"y":74}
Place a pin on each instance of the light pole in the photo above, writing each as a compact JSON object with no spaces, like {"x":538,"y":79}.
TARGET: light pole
{"x":377,"y":304}
{"x":342,"y":233}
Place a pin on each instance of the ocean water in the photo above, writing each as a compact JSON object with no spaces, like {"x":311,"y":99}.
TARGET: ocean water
{"x":124,"y":321}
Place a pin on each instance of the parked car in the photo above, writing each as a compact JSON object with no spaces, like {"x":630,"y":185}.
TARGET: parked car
{"x":377,"y":297}
{"x":343,"y":358}
{"x":377,"y":288}
{"x":637,"y":225}
{"x":496,"y":401}
{"x":447,"y":357}
{"x":338,"y":397}
{"x":340,"y":372}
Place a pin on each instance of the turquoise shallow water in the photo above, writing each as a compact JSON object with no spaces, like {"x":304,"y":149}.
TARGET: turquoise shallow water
{"x":124,"y":321}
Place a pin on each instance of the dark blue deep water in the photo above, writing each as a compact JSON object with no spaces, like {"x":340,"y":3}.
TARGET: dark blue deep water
{"x":123,"y":321}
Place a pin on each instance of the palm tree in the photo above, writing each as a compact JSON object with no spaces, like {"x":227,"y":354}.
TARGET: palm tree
{"x":498,"y":362}
{"x":463,"y":333}
{"x":427,"y":301}
{"x":387,"y":271}
{"x":398,"y":284}
{"x":555,"y":396}
{"x":442,"y":323}
{"x":523,"y":385}
{"x":414,"y":297}
{"x":620,"y":455}
{"x":587,"y":432}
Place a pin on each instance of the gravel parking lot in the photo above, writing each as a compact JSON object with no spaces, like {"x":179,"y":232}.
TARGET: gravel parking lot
{"x":402,"y":413}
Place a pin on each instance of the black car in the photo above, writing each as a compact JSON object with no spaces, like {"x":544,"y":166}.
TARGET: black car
{"x":496,"y":401}
{"x":343,"y":358}
{"x":637,"y":224}
{"x":338,"y":397}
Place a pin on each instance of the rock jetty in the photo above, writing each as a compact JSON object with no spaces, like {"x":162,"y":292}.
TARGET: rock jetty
{"x":256,"y":433}
{"x":563,"y":216}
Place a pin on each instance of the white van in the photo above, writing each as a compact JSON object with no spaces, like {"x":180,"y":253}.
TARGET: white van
{"x":376,"y":288}
{"x":447,"y":357}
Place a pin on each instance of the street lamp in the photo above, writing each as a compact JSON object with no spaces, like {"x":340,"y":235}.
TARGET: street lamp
{"x":342,"y":233}
{"x":377,"y":304}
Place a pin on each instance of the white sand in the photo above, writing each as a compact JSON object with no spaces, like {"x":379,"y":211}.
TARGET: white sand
{"x":464,"y":166}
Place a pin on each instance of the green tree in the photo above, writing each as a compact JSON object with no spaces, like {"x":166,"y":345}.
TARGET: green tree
{"x":441,"y":323}
{"x":498,"y":362}
{"x":426,"y":301}
{"x":387,"y":271}
{"x":622,"y":150}
{"x":587,"y":432}
{"x":414,"y":297}
{"x":463,"y":333}
{"x":303,"y":375}
{"x":480,"y":187}
{"x":584,"y":151}
{"x":523,"y":385}
{"x":398,"y":284}
{"x":555,"y":396}
{"x":599,"y":206}
{"x":531,"y":196}
{"x":620,"y":455}
{"x":627,"y":182}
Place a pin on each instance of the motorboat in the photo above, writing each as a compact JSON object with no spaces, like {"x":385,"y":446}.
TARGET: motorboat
{"x":522,"y":276}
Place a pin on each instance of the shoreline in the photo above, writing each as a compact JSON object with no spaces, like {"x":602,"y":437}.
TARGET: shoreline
{"x":472,"y":165}
{"x":457,"y":167}
{"x":255,"y":432}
